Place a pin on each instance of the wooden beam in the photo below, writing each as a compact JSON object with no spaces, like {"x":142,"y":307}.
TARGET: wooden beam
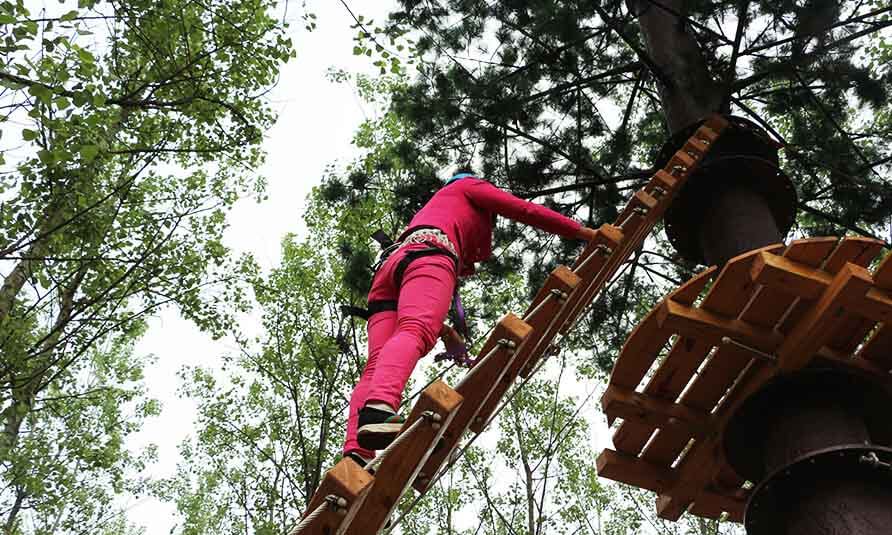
{"x":783,"y":275}
{"x":590,"y":268}
{"x":643,"y":346}
{"x":800,"y":346}
{"x":345,"y":480}
{"x":543,"y":321}
{"x":633,"y":471}
{"x":654,"y":412}
{"x":700,"y":324}
{"x":561,"y":280}
{"x":398,"y":470}
{"x":714,"y":505}
{"x":475,"y":389}
{"x":883,"y":275}
{"x":664,"y":181}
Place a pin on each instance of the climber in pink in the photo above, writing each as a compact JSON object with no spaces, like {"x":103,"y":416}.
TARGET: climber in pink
{"x":412,"y":291}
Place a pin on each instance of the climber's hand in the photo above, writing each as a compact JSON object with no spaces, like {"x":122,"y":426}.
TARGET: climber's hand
{"x":585,"y":233}
{"x":450,"y":337}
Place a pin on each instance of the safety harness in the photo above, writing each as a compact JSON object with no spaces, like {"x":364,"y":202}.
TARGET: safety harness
{"x":456,"y":352}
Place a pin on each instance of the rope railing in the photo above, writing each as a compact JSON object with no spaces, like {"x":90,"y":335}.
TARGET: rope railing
{"x":601,"y":249}
{"x":503,"y":343}
{"x":428,"y":416}
{"x":331,"y":501}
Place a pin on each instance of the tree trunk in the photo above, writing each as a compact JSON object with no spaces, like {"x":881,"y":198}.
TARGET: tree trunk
{"x":689,"y":95}
{"x":24,"y":388}
{"x":16,"y":279}
{"x":693,"y":93}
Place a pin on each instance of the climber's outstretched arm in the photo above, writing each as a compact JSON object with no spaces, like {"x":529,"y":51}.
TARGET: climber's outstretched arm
{"x":492,"y":199}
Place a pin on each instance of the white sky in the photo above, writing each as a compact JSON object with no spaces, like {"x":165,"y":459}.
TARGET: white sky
{"x":316,"y":123}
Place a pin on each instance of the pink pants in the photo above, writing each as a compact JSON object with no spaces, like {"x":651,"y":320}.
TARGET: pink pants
{"x":397,"y":340}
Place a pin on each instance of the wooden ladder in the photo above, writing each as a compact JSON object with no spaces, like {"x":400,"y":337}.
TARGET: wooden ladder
{"x":352,"y":501}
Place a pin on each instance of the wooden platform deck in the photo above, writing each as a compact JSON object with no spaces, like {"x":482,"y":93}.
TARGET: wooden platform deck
{"x":702,"y":352}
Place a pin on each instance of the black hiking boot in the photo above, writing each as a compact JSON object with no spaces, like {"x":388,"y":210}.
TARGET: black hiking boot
{"x":378,"y":428}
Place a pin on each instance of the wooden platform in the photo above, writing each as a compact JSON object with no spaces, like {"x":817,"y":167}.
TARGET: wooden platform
{"x":698,"y":355}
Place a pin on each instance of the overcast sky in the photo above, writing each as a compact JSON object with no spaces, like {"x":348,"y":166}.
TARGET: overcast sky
{"x":317,"y":119}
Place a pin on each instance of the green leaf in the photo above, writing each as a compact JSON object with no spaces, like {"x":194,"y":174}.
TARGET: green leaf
{"x":357,"y":51}
{"x":99,"y":100}
{"x":6,"y":18}
{"x":42,"y":93}
{"x":71,"y":15}
{"x":45,"y":156}
{"x":29,"y":135}
{"x":89,"y":152}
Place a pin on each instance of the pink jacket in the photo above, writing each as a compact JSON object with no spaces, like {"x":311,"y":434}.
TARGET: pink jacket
{"x":464,"y":210}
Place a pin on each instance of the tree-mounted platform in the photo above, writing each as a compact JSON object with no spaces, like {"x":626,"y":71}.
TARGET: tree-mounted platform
{"x":351,"y":503}
{"x":699,"y":356}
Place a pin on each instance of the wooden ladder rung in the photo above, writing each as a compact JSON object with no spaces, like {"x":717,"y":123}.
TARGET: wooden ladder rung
{"x":548,"y":322}
{"x":345,"y":481}
{"x":475,"y":388}
{"x":402,"y":463}
{"x":591,"y":267}
{"x":543,"y":316}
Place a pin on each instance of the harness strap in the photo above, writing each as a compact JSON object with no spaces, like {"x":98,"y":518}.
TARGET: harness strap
{"x":373,"y":308}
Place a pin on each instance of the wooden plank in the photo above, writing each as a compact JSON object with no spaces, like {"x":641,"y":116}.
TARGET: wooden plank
{"x":695,"y":148}
{"x":712,"y":328}
{"x":715,"y":122}
{"x":680,"y":166}
{"x":730,"y":293}
{"x":857,"y":250}
{"x":764,"y":310}
{"x":684,"y":358}
{"x":545,"y":323}
{"x":641,"y":200}
{"x":878,"y":349}
{"x":590,"y":268}
{"x":400,"y":467}
{"x":768,"y":307}
{"x":783,"y":275}
{"x":643,"y":345}
{"x":566,"y":282}
{"x":673,"y":502}
{"x":713,"y":505}
{"x":633,"y":471}
{"x":882,"y":277}
{"x":475,"y":388}
{"x":664,"y":181}
{"x":850,"y":284}
{"x":630,"y":470}
{"x":654,"y":412}
{"x":779,"y":273}
{"x":345,"y":480}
